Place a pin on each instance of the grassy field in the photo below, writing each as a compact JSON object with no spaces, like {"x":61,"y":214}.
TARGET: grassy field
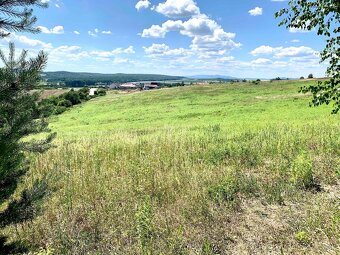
{"x":219,"y":169}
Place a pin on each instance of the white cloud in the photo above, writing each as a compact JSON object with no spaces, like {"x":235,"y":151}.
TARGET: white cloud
{"x":92,"y":33}
{"x":109,"y":54}
{"x":257,"y":11}
{"x":24,"y":41}
{"x":65,"y":52}
{"x":154,"y":31}
{"x":225,"y":59}
{"x":260,"y":61}
{"x":281,"y":52}
{"x":54,"y":30}
{"x":121,"y":60}
{"x":209,"y":38}
{"x":142,"y":4}
{"x":161,"y":50}
{"x":106,"y":32}
{"x":295,"y":41}
{"x":178,"y":8}
{"x":298,"y":30}
{"x":295,"y":52}
{"x":263,"y":50}
{"x":76,"y":32}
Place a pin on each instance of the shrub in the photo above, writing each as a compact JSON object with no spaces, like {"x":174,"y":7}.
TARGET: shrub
{"x":59,"y":110}
{"x":302,"y":78}
{"x":73,"y":97}
{"x":101,"y":92}
{"x":310,"y":76}
{"x":64,"y":102}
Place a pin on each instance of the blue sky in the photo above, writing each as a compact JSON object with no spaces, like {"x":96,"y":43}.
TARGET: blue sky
{"x":178,"y":37}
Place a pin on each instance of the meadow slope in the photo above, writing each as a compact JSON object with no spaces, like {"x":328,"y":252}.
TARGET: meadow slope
{"x":218,"y":169}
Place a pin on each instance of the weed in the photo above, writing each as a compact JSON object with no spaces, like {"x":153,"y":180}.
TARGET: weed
{"x":144,"y":225}
{"x":302,"y":172}
{"x":209,"y":249}
{"x":302,"y":237}
{"x":232,"y":187}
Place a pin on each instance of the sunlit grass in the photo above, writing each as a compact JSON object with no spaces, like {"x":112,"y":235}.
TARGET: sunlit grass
{"x":188,"y":170}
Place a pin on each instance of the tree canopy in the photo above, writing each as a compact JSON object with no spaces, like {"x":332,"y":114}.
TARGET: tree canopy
{"x":324,"y":17}
{"x":17,"y":16}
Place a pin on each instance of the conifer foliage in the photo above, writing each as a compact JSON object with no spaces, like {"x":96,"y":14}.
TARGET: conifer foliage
{"x":19,"y":118}
{"x":17,"y":16}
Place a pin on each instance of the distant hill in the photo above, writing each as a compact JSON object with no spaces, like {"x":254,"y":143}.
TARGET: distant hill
{"x":209,"y":77}
{"x":74,"y":79}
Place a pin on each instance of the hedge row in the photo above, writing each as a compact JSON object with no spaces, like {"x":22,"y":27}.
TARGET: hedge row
{"x":58,"y":104}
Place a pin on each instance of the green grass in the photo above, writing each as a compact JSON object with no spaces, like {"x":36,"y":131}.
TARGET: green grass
{"x":218,"y":169}
{"x":229,"y":105}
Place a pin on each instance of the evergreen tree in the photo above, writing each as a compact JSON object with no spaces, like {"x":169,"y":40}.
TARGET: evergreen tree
{"x":19,"y":118}
{"x":324,"y":17}
{"x":17,"y":16}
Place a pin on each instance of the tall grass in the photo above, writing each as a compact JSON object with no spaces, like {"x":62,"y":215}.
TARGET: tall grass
{"x":130,"y":194}
{"x":189,"y":188}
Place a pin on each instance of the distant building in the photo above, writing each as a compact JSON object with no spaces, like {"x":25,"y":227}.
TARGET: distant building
{"x":114,"y":86}
{"x":150,"y":86}
{"x":93,"y":91}
{"x":128,"y":86}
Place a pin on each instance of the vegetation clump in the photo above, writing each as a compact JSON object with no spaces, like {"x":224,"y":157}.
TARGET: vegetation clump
{"x":302,"y":172}
{"x":58,"y":104}
{"x":232,"y":187}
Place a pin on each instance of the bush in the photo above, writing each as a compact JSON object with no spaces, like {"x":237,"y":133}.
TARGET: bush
{"x":64,"y":102}
{"x":101,"y":92}
{"x":73,"y":97}
{"x":59,"y":110}
{"x":302,"y":78}
{"x":310,"y":76}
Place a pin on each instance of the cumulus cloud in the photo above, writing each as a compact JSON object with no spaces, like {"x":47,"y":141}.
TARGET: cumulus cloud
{"x":105,"y":55}
{"x":76,"y":32}
{"x":142,"y":4}
{"x":260,"y":61}
{"x":157,"y":50}
{"x":54,"y":30}
{"x":154,"y":31}
{"x":24,"y":41}
{"x":257,"y":11}
{"x":178,"y":8}
{"x":208,"y":37}
{"x":281,"y":52}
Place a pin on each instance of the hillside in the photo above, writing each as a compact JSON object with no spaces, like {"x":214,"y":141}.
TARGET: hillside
{"x":81,"y":79}
{"x":209,"y":169}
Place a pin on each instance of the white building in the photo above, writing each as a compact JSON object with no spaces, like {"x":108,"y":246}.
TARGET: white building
{"x":93,"y":91}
